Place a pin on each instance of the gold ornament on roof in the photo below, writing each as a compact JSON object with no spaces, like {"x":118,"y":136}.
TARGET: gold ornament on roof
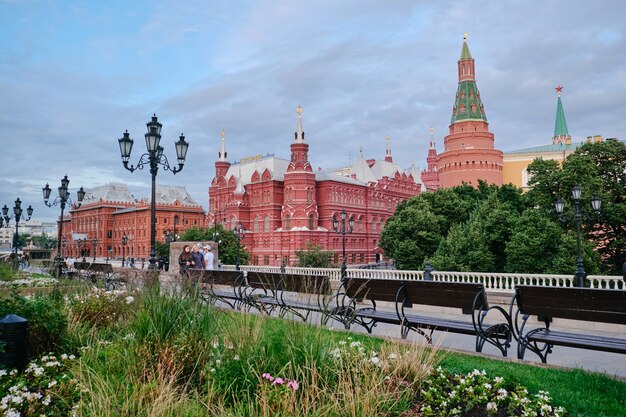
{"x":465,"y":36}
{"x":431,"y":130}
{"x":222,"y":133}
{"x":299,"y":110}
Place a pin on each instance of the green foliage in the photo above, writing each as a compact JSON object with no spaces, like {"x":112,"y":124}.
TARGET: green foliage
{"x":228,"y":246}
{"x":47,"y":322}
{"x":44,"y":241}
{"x":162,"y":249}
{"x":314,"y":256}
{"x":600,"y":169}
{"x":45,"y":388}
{"x":6,"y":272}
{"x":101,"y":308}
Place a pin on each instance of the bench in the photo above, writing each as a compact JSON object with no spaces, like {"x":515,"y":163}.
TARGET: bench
{"x":270,"y":291}
{"x":470,"y":298}
{"x":94,"y":271}
{"x":356,"y":304}
{"x":223,"y":286}
{"x":583,"y":304}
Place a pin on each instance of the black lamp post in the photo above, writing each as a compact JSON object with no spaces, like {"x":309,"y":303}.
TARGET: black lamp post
{"x":82,"y":248}
{"x":94,"y":242}
{"x":153,"y":158}
{"x":62,"y":199}
{"x":343,"y":230}
{"x":124,"y":242}
{"x":559,"y":205}
{"x":240,"y":233}
{"x":17,"y":215}
{"x":169,"y":235}
{"x":63,"y":244}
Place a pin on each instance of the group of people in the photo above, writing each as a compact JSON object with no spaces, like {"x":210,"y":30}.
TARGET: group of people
{"x":196,"y":258}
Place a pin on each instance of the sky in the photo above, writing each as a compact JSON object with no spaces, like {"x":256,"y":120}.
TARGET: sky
{"x":74,"y":75}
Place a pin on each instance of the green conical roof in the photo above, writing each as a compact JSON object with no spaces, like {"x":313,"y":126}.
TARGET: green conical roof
{"x":560,"y":126}
{"x":468,"y":105}
{"x":465,"y":53}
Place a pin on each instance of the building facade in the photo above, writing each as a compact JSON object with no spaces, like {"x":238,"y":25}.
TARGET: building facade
{"x":285,"y":204}
{"x":110,"y":212}
{"x":469,"y":154}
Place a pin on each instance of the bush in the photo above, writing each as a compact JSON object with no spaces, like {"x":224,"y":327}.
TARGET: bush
{"x":101,"y":308}
{"x":47,"y":322}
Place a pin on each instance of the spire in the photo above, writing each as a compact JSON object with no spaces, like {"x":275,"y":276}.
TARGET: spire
{"x":465,"y":52}
{"x":561,"y":134}
{"x":388,"y":157}
{"x":467,"y":105}
{"x":223,"y":156}
{"x":239,"y":189}
{"x":432,"y":138}
{"x":299,"y":131}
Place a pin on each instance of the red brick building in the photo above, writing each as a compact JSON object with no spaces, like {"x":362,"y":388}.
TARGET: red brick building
{"x":109,"y":212}
{"x":469,"y":154}
{"x":283,"y":204}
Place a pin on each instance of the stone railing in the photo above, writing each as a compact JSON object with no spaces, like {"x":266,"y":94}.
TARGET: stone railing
{"x":504,"y":282}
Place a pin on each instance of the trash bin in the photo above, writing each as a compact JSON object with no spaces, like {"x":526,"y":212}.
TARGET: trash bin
{"x":14,"y":336}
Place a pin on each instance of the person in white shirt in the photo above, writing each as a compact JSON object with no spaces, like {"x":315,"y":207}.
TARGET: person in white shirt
{"x":208,"y":257}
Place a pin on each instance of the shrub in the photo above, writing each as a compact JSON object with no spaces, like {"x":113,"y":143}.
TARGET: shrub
{"x":101,"y":308}
{"x":47,"y":322}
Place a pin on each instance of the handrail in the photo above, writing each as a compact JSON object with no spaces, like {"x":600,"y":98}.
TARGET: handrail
{"x":494,"y":281}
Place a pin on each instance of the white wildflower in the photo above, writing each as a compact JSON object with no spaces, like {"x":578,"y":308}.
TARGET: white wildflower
{"x":492,"y":407}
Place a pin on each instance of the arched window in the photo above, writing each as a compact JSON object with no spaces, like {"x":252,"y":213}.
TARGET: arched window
{"x":288,"y":222}
{"x":233,"y":222}
{"x":256,"y":225}
{"x":266,"y":224}
{"x":311,"y":222}
{"x":360,"y":224}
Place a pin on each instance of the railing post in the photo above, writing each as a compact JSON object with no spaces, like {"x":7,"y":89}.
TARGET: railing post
{"x":427,"y":272}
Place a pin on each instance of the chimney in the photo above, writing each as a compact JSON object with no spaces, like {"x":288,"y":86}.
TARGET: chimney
{"x":597,"y":138}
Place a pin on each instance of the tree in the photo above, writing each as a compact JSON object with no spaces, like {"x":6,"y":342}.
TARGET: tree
{"x":228,"y":248}
{"x":600,"y":169}
{"x":44,"y":241}
{"x":410,"y":235}
{"x":314,"y":256}
{"x":539,"y":245}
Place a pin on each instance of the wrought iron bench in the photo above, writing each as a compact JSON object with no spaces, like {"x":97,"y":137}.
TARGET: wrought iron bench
{"x":584,"y":304}
{"x":470,"y":298}
{"x":356,"y":303}
{"x":286,"y":292}
{"x":224,"y":286}
{"x":95,"y":272}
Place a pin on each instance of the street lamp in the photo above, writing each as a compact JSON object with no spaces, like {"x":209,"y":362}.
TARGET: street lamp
{"x":62,"y":199}
{"x":240,"y":233}
{"x":94,"y":242}
{"x":17,"y":215}
{"x":63,"y":244}
{"x":343,"y":230}
{"x":559,"y":206}
{"x":82,"y":248}
{"x":124,"y":242}
{"x":153,"y":158}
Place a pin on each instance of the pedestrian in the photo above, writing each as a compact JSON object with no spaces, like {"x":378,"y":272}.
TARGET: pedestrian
{"x":198,"y":257}
{"x":185,"y":260}
{"x":208,"y":257}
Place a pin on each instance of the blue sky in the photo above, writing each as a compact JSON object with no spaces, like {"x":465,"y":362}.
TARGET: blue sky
{"x":75,"y":75}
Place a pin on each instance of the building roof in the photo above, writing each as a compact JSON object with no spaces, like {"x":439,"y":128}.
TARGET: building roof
{"x":276,"y":166}
{"x":465,"y":52}
{"x":115,"y":192}
{"x":168,"y":194}
{"x":559,"y":147}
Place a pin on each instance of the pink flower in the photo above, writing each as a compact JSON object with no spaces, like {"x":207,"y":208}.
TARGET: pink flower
{"x":268,"y":376}
{"x":279,"y":381}
{"x":293,"y":385}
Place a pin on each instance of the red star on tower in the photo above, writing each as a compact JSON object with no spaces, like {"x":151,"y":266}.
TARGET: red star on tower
{"x":558,"y":89}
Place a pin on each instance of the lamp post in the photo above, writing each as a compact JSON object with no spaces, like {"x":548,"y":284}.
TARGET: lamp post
{"x":153,"y":158}
{"x":17,"y":215}
{"x":559,"y":205}
{"x":124,"y":242}
{"x":63,"y":244}
{"x":94,"y":242}
{"x":62,"y":199}
{"x":343,"y":230}
{"x":240,"y":233}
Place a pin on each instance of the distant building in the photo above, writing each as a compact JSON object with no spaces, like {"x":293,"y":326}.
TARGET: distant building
{"x":109,"y":212}
{"x":284,"y":204}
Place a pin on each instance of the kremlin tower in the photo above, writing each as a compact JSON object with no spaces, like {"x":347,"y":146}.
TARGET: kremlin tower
{"x":430,"y":176}
{"x":469,"y":154}
{"x":561,"y":134}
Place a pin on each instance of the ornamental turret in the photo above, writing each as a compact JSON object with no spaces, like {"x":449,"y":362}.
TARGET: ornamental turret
{"x":222,"y":164}
{"x":561,"y":134}
{"x":388,"y":157}
{"x":430,"y":177}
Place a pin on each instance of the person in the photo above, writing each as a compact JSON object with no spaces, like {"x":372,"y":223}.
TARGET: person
{"x":185,"y":260}
{"x":208,"y":257}
{"x":198,"y":257}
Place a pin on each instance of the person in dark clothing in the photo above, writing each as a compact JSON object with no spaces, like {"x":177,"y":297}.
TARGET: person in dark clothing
{"x":185,"y":260}
{"x":198,"y":257}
